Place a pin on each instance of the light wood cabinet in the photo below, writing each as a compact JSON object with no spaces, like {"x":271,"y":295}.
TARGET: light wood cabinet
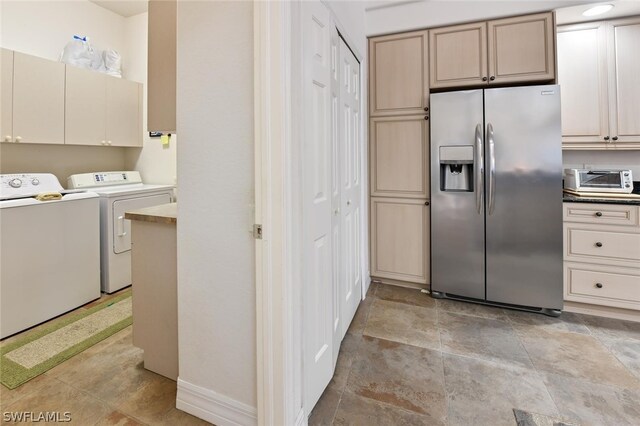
{"x":124,"y":112}
{"x":598,"y":67}
{"x":398,"y":74}
{"x":161,"y":70}
{"x":6,"y":95}
{"x":38,"y":100}
{"x":458,"y":55}
{"x":86,"y":97}
{"x":501,"y":51}
{"x":522,"y":49}
{"x":399,"y":156}
{"x":400,"y":239}
{"x":102,"y":110}
{"x":602,"y":255}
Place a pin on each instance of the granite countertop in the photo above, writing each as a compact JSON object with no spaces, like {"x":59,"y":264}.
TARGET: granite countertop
{"x":569,"y":198}
{"x":163,"y":213}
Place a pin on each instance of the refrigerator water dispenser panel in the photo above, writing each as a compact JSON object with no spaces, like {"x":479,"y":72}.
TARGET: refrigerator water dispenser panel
{"x":456,"y":168}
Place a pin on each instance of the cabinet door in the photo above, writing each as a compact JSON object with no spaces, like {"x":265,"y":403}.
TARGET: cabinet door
{"x":624,"y":90}
{"x":6,"y":95}
{"x":522,"y":49}
{"x":399,"y":151}
{"x":582,"y":75}
{"x":38,"y":100}
{"x":398,"y":72}
{"x":161,"y":70}
{"x":458,"y":55}
{"x":123,"y":112}
{"x":85,"y":107}
{"x":400,"y":239}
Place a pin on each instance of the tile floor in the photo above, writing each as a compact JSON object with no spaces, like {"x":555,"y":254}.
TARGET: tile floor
{"x":411,"y":360}
{"x":104,"y":385}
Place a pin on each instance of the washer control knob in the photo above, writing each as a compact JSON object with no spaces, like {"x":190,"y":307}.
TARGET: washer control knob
{"x":15,"y":183}
{"x":35,"y":181}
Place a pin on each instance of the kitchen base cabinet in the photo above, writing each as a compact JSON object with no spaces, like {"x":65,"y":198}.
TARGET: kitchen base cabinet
{"x":602,"y":257}
{"x":400,"y":240}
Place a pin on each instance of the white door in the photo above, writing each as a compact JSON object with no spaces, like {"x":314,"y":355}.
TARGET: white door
{"x":316,"y":199}
{"x":349,"y":143}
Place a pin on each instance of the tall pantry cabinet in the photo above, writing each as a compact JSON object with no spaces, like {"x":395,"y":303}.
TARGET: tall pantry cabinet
{"x":399,"y":157}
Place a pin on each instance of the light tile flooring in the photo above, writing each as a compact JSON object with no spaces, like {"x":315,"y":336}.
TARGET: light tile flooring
{"x":411,"y":360}
{"x":104,"y":385}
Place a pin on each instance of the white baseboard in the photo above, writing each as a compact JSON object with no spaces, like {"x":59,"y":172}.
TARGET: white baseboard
{"x":301,"y":419}
{"x":213,"y":407}
{"x":602,"y":311}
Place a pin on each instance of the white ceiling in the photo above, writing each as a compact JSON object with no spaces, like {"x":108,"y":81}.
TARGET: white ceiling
{"x":568,"y":15}
{"x":124,"y":8}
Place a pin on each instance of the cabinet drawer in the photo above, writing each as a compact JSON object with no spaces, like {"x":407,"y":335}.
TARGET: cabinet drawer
{"x":605,"y":214}
{"x":618,"y":287}
{"x":606,"y":245}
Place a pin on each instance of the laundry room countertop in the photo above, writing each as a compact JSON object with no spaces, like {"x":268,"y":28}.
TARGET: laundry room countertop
{"x":163,"y":213}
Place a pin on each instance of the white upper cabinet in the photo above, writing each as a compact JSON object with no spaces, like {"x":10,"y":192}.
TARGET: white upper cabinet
{"x":598,"y":69}
{"x":38,"y":100}
{"x":624,"y":80}
{"x":582,"y":74}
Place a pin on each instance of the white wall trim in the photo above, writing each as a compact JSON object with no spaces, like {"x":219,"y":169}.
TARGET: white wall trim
{"x":275,"y":292}
{"x":213,"y":407}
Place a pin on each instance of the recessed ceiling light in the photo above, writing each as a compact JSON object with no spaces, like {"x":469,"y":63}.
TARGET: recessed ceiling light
{"x":598,"y":10}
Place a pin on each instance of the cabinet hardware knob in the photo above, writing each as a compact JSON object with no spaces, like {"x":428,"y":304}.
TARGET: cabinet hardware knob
{"x":426,"y":203}
{"x":108,"y":142}
{"x":426,"y":117}
{"x":18,"y":139}
{"x":599,"y":285}
{"x":598,"y":214}
{"x":606,"y":138}
{"x":7,"y":138}
{"x":426,"y":108}
{"x":102,"y":142}
{"x":615,"y":138}
{"x":493,"y":77}
{"x":348,"y":202}
{"x":484,"y":78}
{"x":598,"y":244}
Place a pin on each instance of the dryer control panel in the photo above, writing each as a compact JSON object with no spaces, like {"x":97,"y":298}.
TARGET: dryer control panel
{"x":98,"y":179}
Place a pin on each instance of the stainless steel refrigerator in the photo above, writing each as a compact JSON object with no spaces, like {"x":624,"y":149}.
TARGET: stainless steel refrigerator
{"x":496,"y":197}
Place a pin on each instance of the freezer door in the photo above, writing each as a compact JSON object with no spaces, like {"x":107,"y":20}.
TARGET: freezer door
{"x":524,"y":196}
{"x":457,"y":208}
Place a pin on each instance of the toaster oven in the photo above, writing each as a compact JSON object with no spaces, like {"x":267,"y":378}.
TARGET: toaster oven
{"x":584,"y":180}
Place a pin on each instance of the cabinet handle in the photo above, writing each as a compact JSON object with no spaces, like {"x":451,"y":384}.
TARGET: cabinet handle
{"x":493,"y":77}
{"x":615,"y":138}
{"x":7,"y":138}
{"x":108,"y":142}
{"x":606,"y":138}
{"x":484,"y":78}
{"x":426,"y":117}
{"x":598,"y":214}
{"x":18,"y":139}
{"x":598,"y":244}
{"x":426,"y":108}
{"x":426,"y":203}
{"x":599,"y":285}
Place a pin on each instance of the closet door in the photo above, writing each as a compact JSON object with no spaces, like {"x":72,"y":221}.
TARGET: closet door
{"x":317,"y":294}
{"x":350,"y":185}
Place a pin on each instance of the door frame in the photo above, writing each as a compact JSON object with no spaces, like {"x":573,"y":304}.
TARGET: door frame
{"x":278,"y":207}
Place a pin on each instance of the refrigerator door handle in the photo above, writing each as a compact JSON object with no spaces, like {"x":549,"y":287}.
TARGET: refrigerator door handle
{"x":479,"y":169}
{"x":492,"y":170}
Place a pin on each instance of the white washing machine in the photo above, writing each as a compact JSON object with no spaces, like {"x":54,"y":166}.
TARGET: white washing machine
{"x":49,"y":250}
{"x":119,"y":192}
